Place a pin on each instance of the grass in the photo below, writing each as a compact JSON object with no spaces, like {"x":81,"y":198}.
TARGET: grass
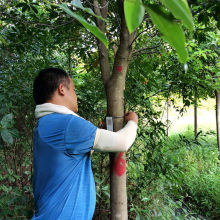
{"x":190,"y":186}
{"x":197,"y":173}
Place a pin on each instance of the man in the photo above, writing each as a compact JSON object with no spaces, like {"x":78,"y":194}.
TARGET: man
{"x":63,"y":182}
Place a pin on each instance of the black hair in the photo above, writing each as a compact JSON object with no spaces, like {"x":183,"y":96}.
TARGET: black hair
{"x":46,"y":83}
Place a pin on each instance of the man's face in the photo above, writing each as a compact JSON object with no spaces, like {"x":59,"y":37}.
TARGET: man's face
{"x":71,"y":97}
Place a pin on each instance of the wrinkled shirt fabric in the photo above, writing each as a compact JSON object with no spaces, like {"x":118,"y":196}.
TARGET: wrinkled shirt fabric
{"x":63,"y":183}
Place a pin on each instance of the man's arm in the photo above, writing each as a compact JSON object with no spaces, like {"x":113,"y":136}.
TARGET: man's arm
{"x":120,"y":141}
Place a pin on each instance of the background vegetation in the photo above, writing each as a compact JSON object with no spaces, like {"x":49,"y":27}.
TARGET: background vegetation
{"x":168,"y":177}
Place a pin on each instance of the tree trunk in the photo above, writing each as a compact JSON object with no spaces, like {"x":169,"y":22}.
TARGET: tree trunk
{"x":217,"y":95}
{"x":114,"y":86}
{"x":115,"y":102}
{"x":118,"y":193}
{"x":195,"y":117}
{"x":69,"y":58}
{"x":167,"y":116}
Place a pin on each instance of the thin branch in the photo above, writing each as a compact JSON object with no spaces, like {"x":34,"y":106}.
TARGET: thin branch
{"x":146,"y":48}
{"x":152,"y":52}
{"x":139,"y":35}
{"x":105,"y":5}
{"x":103,"y":52}
{"x":21,"y":21}
{"x":159,"y":91}
{"x":104,"y":8}
{"x":151,"y":36}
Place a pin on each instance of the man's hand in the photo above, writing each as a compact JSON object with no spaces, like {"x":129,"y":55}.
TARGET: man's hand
{"x":131,"y":116}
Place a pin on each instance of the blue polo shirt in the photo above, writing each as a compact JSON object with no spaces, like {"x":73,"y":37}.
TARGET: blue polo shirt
{"x":63,"y":182}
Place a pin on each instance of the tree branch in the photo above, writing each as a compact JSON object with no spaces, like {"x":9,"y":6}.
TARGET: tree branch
{"x":124,"y":51}
{"x":22,"y":21}
{"x":145,"y":30}
{"x":103,"y":53}
{"x":139,"y":35}
{"x":104,"y":8}
{"x":143,"y":49}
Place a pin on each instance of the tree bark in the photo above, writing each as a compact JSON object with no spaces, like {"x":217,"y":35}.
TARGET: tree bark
{"x":115,"y":105}
{"x":167,"y":116}
{"x":114,"y":86}
{"x":217,"y":95}
{"x":103,"y":52}
{"x":69,"y":58}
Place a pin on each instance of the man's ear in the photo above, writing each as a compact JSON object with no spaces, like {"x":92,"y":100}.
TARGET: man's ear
{"x":61,"y":90}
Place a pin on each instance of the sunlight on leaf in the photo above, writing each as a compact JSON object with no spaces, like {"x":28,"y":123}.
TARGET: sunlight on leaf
{"x":78,"y":4}
{"x":171,"y":30}
{"x":180,"y":10}
{"x":134,"y":13}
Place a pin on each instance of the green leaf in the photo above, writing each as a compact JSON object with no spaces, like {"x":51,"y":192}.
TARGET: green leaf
{"x":3,"y":41}
{"x":78,"y":4}
{"x":134,"y":13}
{"x":91,"y":27}
{"x":107,"y":194}
{"x":171,"y":30}
{"x":138,"y":217}
{"x":6,"y":120}
{"x":25,"y":8}
{"x":6,"y":136}
{"x":34,"y":9}
{"x":21,"y":5}
{"x":180,"y":10}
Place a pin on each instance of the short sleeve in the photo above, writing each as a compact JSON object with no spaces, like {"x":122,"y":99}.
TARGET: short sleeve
{"x":79,"y":135}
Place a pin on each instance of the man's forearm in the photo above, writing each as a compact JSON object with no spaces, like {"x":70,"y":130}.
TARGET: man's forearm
{"x":120,"y":141}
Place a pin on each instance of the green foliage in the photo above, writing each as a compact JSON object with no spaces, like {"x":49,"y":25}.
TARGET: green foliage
{"x":164,"y":21}
{"x":200,"y":172}
{"x":100,"y":166}
{"x":174,"y":178}
{"x":91,"y":27}
{"x":206,"y":11}
{"x":181,"y":11}
{"x":78,"y":4}
{"x":182,"y":184}
{"x":6,"y":121}
{"x":171,"y":30}
{"x":15,"y":204}
{"x":7,"y":129}
{"x":134,"y":13}
{"x":6,"y":136}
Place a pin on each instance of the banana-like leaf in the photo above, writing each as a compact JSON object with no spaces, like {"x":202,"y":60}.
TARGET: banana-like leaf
{"x":180,"y":10}
{"x":78,"y":4}
{"x":91,"y":27}
{"x":134,"y":13}
{"x":171,"y":30}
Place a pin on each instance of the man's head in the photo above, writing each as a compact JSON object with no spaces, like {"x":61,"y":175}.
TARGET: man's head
{"x":55,"y":86}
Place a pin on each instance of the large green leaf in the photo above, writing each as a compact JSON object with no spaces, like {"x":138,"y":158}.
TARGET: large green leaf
{"x":78,"y":4}
{"x":180,"y":10}
{"x":134,"y":13}
{"x":91,"y":27}
{"x":6,"y":136}
{"x":171,"y":30}
{"x":6,"y":120}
